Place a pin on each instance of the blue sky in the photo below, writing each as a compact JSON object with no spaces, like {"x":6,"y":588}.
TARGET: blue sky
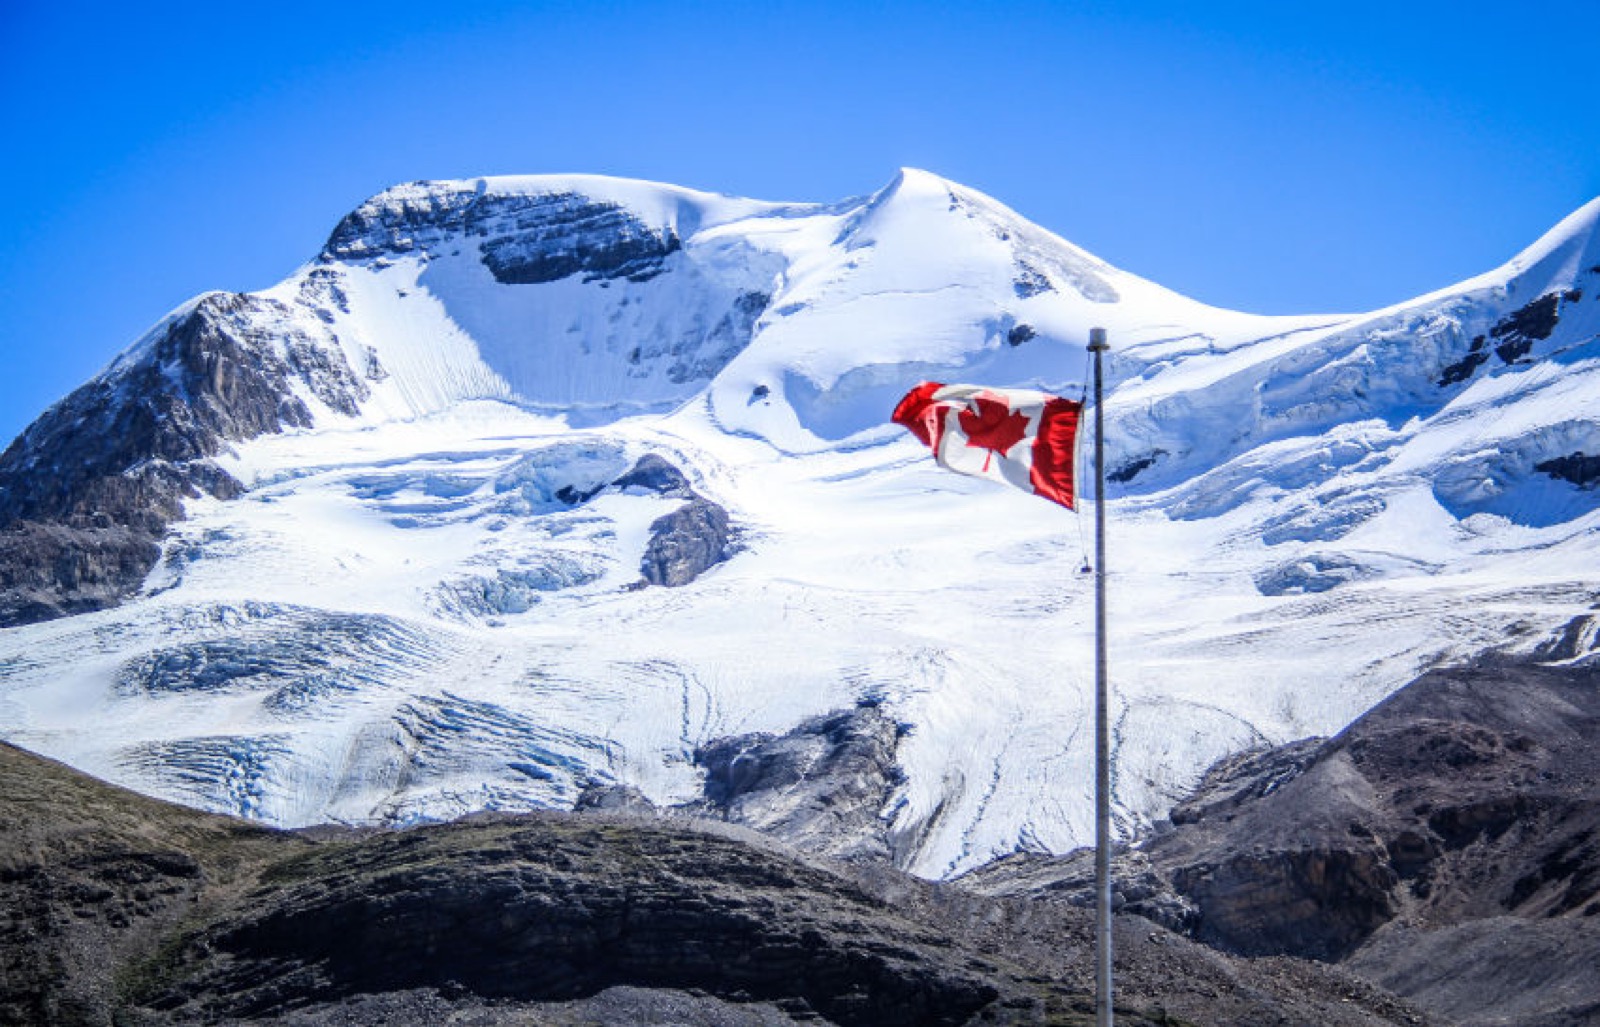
{"x":1270,"y":157}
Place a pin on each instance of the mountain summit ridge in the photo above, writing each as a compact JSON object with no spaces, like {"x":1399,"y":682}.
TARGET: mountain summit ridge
{"x":364,"y":546}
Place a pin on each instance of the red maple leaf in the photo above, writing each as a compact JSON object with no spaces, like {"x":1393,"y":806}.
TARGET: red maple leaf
{"x":991,"y":424}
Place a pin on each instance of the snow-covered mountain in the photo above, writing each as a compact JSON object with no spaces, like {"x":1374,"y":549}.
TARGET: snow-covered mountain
{"x":528,"y":484}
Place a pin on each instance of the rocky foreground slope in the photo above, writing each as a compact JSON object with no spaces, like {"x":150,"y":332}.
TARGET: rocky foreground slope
{"x":123,"y":909}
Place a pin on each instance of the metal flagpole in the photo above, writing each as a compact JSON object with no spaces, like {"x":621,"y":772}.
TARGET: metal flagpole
{"x":1102,"y":733}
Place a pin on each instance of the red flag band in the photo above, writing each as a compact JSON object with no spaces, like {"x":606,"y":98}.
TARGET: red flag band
{"x":1021,"y":437}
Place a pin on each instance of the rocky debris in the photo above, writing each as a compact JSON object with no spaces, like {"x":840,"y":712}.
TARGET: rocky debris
{"x":635,"y":1007}
{"x":1467,"y":794}
{"x":1245,"y":777}
{"x":1497,"y":970}
{"x":528,"y":239}
{"x":1029,"y":281}
{"x":61,"y":920}
{"x":605,"y":798}
{"x":88,"y":489}
{"x":128,"y":910}
{"x":821,"y":787}
{"x":92,"y":878}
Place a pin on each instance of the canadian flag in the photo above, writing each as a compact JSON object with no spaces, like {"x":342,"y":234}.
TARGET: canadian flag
{"x":1018,"y":436}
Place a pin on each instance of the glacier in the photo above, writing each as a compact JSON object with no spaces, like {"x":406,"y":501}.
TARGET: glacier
{"x":424,"y":598}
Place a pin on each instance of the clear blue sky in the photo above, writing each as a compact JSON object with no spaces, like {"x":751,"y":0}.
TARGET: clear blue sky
{"x":1273,"y":157}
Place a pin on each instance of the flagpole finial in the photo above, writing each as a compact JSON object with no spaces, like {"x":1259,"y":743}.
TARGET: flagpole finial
{"x":1097,"y":339}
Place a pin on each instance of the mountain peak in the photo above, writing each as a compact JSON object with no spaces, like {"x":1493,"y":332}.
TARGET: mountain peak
{"x":364,"y":546}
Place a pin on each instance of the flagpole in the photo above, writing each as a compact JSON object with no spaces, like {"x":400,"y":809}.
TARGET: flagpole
{"x":1102,"y":732}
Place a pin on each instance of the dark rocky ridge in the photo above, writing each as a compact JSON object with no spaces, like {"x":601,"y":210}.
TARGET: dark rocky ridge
{"x":1446,"y":846}
{"x":555,"y":909}
{"x":526,"y":239}
{"x":128,"y":910}
{"x":87,"y":490}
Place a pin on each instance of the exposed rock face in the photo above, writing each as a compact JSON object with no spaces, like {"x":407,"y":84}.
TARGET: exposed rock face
{"x":127,"y":910}
{"x":1468,"y":794}
{"x":1476,"y":356}
{"x":687,"y":542}
{"x":52,"y":570}
{"x":86,"y":492}
{"x":527,"y":239}
{"x":1320,"y":901}
{"x":821,"y":787}
{"x":1446,"y":845}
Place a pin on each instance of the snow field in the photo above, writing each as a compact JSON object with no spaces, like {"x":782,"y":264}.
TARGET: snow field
{"x":404,"y":620}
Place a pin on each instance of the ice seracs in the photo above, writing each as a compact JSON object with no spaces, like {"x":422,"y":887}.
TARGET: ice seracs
{"x":423,"y":593}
